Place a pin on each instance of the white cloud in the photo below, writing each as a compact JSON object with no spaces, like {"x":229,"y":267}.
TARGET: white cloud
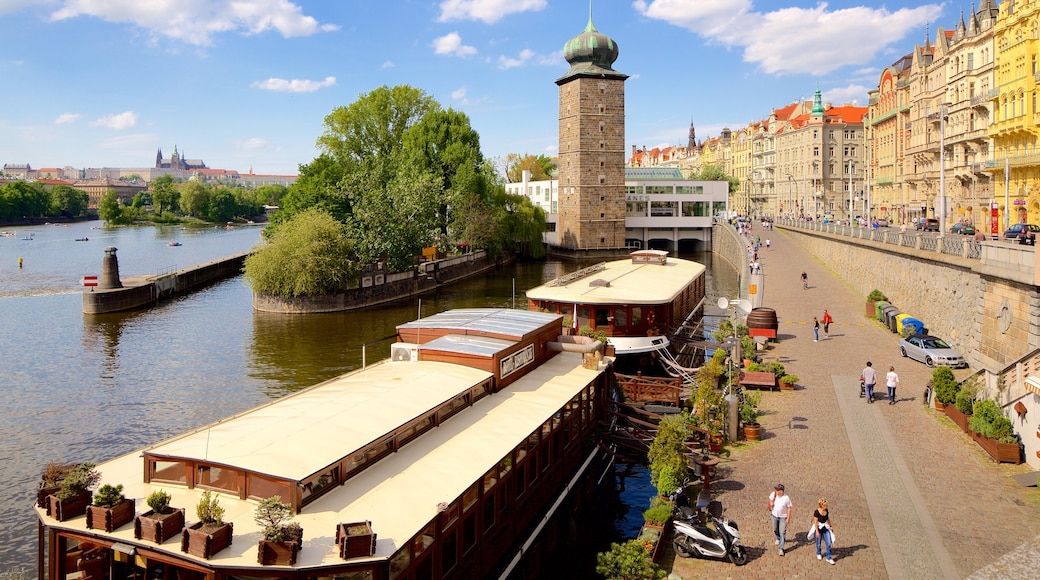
{"x":459,"y":94}
{"x":196,"y":21}
{"x":488,"y":11}
{"x":117,"y":122}
{"x":66,"y":118}
{"x":294,"y":85}
{"x":850,"y":94}
{"x":505,"y":62}
{"x":451,"y":44}
{"x":256,"y":144}
{"x":388,"y":64}
{"x":794,"y":40}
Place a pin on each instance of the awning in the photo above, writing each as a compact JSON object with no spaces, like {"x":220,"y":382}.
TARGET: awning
{"x":1033,"y":384}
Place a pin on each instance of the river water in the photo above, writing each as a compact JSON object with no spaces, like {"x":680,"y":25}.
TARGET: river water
{"x":75,"y":387}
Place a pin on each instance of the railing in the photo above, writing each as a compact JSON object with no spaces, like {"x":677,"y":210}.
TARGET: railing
{"x":642,"y":389}
{"x":950,"y":245}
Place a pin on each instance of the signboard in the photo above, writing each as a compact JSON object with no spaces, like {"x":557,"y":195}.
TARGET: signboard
{"x":994,"y":221}
{"x":89,"y":281}
{"x":1019,"y":202}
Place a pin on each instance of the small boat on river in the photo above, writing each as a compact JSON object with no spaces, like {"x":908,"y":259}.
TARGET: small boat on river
{"x":82,"y":239}
{"x":173,"y":244}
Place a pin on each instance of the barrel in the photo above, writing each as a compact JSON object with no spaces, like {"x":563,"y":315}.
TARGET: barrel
{"x":762,"y":322}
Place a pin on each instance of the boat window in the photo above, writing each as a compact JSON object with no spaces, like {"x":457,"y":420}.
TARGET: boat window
{"x":602,"y":315}
{"x":454,"y":406}
{"x":258,"y":487}
{"x":491,"y":478}
{"x":424,"y":540}
{"x":449,"y":552}
{"x":505,"y":466}
{"x":171,"y":471}
{"x":469,"y":532}
{"x":583,"y":316}
{"x":318,"y":485}
{"x":620,"y":318}
{"x":450,"y":515}
{"x":637,"y":315}
{"x":215,"y":477}
{"x":399,"y":562}
{"x":521,"y":479}
{"x":470,"y":497}
{"x":415,"y":429}
{"x":489,"y":510}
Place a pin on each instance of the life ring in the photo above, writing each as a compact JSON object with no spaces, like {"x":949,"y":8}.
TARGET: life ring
{"x":650,"y":317}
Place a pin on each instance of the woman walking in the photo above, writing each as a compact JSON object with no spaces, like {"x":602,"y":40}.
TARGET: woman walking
{"x":822,"y":524}
{"x":891,"y":381}
{"x":816,"y":329}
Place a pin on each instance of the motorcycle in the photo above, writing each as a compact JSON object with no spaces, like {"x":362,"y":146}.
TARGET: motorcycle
{"x":694,"y":538}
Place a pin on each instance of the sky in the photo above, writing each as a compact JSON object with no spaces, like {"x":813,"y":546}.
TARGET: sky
{"x":247,"y":84}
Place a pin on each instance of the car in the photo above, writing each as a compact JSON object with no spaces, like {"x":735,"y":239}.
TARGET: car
{"x":881,"y":222}
{"x":963,"y":228}
{"x":931,"y":350}
{"x":1013,"y":232}
{"x":927,"y":225}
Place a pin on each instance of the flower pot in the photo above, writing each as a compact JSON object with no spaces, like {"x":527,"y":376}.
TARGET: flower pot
{"x":355,"y":540}
{"x":63,"y":510}
{"x":277,"y":553}
{"x":42,"y":494}
{"x":204,"y":540}
{"x":159,"y":527}
{"x":871,"y":309}
{"x":110,"y":518}
{"x":753,"y":432}
{"x":715,"y":444}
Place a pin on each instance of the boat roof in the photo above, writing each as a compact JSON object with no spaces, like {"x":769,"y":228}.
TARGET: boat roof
{"x":400,"y":493}
{"x":623,"y":282}
{"x":502,"y":322}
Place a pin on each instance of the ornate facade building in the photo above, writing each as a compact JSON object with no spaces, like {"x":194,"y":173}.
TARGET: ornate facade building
{"x":177,"y":162}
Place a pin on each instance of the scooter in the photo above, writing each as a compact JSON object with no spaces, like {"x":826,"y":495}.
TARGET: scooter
{"x":692,"y":538}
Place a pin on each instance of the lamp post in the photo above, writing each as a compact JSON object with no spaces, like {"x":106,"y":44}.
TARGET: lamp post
{"x":942,"y":169}
{"x":791,"y":182}
{"x":851,"y":200}
{"x":815,"y":192}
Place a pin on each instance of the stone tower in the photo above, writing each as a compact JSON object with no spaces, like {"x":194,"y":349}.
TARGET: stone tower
{"x":592,"y":146}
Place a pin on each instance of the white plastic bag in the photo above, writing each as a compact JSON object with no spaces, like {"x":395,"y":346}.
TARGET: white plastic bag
{"x":811,"y":534}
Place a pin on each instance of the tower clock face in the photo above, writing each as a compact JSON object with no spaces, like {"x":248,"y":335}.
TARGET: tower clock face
{"x":1004,"y":316}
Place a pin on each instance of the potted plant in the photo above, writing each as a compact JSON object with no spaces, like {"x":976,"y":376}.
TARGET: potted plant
{"x":160,"y":523}
{"x":211,"y":533}
{"x":355,"y":540}
{"x":961,"y":409}
{"x":74,"y":495}
{"x":50,"y":482}
{"x":995,"y":433}
{"x":111,"y":510}
{"x":874,"y":296}
{"x":748,"y":348}
{"x":749,"y":413}
{"x":628,"y":560}
{"x":659,"y":512}
{"x":667,"y":454}
{"x":282,"y":537}
{"x":945,"y":387}
{"x":568,"y":325}
{"x":788,"y":382}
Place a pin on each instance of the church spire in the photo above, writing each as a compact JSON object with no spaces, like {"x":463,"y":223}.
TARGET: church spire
{"x":817,"y":102}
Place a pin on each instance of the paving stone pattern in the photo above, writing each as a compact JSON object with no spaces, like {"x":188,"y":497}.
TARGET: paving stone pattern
{"x":911,"y":496}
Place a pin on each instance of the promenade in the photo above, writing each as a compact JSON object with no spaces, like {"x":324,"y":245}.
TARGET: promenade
{"x":910,"y":495}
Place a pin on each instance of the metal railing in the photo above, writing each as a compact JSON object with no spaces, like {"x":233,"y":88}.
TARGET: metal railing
{"x":949,"y":244}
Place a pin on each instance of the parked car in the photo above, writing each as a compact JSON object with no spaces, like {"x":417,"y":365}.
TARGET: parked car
{"x":962,"y":228}
{"x":927,"y":225}
{"x":1013,"y":232}
{"x":881,"y":222}
{"x":931,"y":350}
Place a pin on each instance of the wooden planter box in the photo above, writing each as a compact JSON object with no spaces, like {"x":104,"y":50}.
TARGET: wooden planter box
{"x":204,"y":544}
{"x":871,"y":309}
{"x":1000,"y":452}
{"x":355,"y":540}
{"x":113,"y":518}
{"x":41,"y":497}
{"x":957,"y":417}
{"x":277,"y":553}
{"x":159,"y":527}
{"x":68,"y":509}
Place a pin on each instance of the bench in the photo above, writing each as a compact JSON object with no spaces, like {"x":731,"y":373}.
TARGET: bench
{"x":758,"y":380}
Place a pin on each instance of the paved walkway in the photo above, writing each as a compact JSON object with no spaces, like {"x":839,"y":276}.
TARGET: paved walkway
{"x":911,"y":496}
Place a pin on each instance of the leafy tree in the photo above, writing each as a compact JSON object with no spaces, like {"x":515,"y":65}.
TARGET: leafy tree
{"x":222,"y":205}
{"x":195,"y":198}
{"x":318,"y":185}
{"x":110,"y":210}
{"x":164,"y":194}
{"x":309,"y":255}
{"x":67,"y":201}
{"x":627,"y":561}
{"x":715,"y":173}
{"x":541,"y":167}
{"x":270,"y":194}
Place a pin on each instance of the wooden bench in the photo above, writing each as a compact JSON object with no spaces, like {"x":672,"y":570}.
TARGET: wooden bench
{"x":758,"y":380}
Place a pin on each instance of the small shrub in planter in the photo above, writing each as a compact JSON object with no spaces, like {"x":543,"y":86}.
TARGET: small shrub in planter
{"x":988,"y":421}
{"x":945,"y":386}
{"x":111,"y":509}
{"x":210,"y":534}
{"x":788,"y":381}
{"x":282,"y":537}
{"x":776,"y":368}
{"x":627,"y":561}
{"x":162,"y":522}
{"x":658,"y":513}
{"x":209,"y":510}
{"x":50,"y":481}
{"x":964,"y":402}
{"x":876,"y":295}
{"x":748,"y":409}
{"x":73,"y":497}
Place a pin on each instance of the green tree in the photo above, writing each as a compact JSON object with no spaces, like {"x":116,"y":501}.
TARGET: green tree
{"x":319,"y":185}
{"x":270,"y":194}
{"x":67,"y":201}
{"x":195,"y":198}
{"x":110,"y":210}
{"x":309,"y":255}
{"x":627,"y":561}
{"x":164,"y":195}
{"x":222,"y":205}
{"x":715,"y":173}
{"x":541,"y":167}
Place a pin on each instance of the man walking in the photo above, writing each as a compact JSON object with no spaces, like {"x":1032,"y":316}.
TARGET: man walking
{"x":868,"y":378}
{"x":827,"y":320}
{"x":780,"y":510}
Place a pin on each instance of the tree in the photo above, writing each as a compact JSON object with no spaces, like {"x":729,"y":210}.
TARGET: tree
{"x":627,"y":561}
{"x":270,"y":194}
{"x":222,"y":205}
{"x":309,"y":255}
{"x":110,"y":210}
{"x":195,"y":198}
{"x":319,"y":185}
{"x":541,"y":167}
{"x":715,"y":173}
{"x":164,"y":195}
{"x":67,"y":201}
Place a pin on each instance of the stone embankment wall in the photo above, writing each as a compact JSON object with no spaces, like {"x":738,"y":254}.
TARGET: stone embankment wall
{"x":727,"y":244}
{"x":379,"y":288}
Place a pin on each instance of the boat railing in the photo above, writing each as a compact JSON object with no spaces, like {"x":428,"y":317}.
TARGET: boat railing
{"x":642,"y":389}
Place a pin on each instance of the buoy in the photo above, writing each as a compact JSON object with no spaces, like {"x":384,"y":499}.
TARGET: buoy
{"x":19,"y":262}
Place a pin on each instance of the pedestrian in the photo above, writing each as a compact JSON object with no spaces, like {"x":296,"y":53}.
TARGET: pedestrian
{"x":867,"y":380}
{"x":816,"y":329}
{"x":827,"y":320}
{"x":767,"y":243}
{"x":891,"y":381}
{"x":805,"y":280}
{"x":822,"y":524}
{"x":780,"y":510}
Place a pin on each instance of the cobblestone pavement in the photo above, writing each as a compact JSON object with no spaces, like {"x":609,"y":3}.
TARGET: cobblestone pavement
{"x":911,"y":496}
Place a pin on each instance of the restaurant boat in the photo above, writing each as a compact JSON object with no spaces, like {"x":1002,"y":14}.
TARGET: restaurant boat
{"x":458,"y":457}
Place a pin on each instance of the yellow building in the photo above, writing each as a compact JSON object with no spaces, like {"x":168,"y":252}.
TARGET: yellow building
{"x":886,"y":128}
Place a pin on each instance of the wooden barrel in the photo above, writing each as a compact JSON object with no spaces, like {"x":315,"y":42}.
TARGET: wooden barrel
{"x":762,"y":318}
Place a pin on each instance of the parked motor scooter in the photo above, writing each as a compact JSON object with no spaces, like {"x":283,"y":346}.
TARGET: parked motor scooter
{"x":721,"y":540}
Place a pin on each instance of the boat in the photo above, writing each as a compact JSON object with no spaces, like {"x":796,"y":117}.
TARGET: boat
{"x":29,"y":237}
{"x":649,"y":308}
{"x":173,"y":244}
{"x":449,"y":459}
{"x":84,"y":239}
{"x":8,"y":234}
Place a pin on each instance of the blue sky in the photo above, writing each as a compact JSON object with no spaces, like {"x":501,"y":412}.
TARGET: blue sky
{"x":247,"y":83}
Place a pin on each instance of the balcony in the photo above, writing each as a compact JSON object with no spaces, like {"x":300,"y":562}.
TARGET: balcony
{"x":980,"y":101}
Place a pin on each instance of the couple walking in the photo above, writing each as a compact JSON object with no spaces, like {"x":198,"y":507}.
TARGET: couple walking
{"x":827,"y":320}
{"x":820,"y":530}
{"x":868,"y":379}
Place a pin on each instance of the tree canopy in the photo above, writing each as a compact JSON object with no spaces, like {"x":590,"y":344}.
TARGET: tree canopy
{"x":715,"y":173}
{"x":541,"y":167}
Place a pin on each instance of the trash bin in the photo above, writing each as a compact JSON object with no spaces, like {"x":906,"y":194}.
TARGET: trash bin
{"x":900,"y":318}
{"x":890,"y":317}
{"x":916,"y":324}
{"x":879,"y":309}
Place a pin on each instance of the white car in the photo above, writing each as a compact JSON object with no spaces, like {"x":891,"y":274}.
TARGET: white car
{"x":932,"y":351}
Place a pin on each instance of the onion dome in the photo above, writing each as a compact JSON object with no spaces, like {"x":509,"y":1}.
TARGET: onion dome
{"x":591,"y":53}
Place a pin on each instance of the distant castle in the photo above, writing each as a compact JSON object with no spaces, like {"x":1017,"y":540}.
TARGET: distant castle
{"x":177,"y":162}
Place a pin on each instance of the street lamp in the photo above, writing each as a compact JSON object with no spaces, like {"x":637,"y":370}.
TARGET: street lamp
{"x":790,"y":180}
{"x":851,"y":200}
{"x":815,"y":191}
{"x":942,"y":168}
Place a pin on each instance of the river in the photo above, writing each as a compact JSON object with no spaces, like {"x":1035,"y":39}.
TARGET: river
{"x":75,"y":387}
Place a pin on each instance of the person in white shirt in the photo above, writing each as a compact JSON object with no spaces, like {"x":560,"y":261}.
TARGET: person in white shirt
{"x":891,"y":381}
{"x":780,"y":510}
